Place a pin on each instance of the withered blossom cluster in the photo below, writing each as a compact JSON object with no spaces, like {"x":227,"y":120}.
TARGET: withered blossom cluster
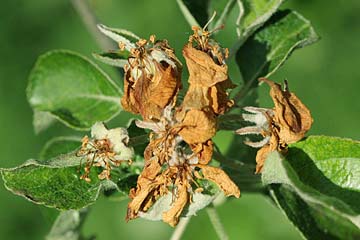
{"x":180,"y":141}
{"x":180,"y":147}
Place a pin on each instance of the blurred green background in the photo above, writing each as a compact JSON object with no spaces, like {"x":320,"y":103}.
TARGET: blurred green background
{"x":326,"y":76}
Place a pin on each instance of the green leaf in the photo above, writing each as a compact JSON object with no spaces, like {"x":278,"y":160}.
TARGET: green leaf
{"x":68,"y":225}
{"x":320,"y":176}
{"x":52,"y":185}
{"x":312,"y":220}
{"x":72,"y":89}
{"x":120,"y":36}
{"x":270,"y":46}
{"x":114,"y":58}
{"x":252,"y":15}
{"x":199,"y":12}
{"x":58,"y":146}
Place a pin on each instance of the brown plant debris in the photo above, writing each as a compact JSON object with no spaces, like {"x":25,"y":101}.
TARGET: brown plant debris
{"x":286,"y":123}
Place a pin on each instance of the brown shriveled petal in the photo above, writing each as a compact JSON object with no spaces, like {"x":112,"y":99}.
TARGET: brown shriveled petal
{"x":220,"y":98}
{"x":128,"y":100}
{"x":197,"y":126}
{"x":208,"y":82}
{"x":164,"y":89}
{"x":221,"y":179}
{"x":291,"y":116}
{"x":148,"y":96}
{"x":214,"y":97}
{"x":261,"y":156}
{"x":203,"y":151}
{"x":197,"y":97}
{"x":262,"y":153}
{"x":182,"y":198}
{"x":147,"y":182}
{"x":203,"y":70}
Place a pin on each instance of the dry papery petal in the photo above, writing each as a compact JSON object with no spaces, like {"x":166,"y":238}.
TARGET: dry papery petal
{"x":197,"y":126}
{"x":146,"y":189}
{"x":182,"y":198}
{"x":152,"y":79}
{"x":203,"y":70}
{"x":292,"y":117}
{"x":219,"y":177}
{"x":203,"y":151}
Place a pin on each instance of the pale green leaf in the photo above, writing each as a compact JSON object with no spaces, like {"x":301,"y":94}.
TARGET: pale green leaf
{"x":116,"y":59}
{"x":120,"y":36}
{"x":320,"y":176}
{"x":74,"y":90}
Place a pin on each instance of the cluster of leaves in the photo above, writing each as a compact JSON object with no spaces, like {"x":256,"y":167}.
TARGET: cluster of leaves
{"x":315,"y":184}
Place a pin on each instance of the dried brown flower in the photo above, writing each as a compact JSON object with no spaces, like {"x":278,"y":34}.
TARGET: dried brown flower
{"x":286,"y":123}
{"x":152,"y":78}
{"x":208,"y":77}
{"x":106,"y":148}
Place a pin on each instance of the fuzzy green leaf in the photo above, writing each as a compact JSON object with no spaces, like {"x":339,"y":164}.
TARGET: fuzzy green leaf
{"x":53,"y":186}
{"x":270,"y":46}
{"x":114,"y":58}
{"x":120,"y":36}
{"x":318,"y":182}
{"x":56,"y":183}
{"x":72,"y":89}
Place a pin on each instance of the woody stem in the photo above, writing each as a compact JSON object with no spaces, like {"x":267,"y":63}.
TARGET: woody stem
{"x":216,"y":222}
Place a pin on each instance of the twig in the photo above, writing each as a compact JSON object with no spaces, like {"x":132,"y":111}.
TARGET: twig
{"x":215,"y":221}
{"x":88,"y":17}
{"x":180,"y":228}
